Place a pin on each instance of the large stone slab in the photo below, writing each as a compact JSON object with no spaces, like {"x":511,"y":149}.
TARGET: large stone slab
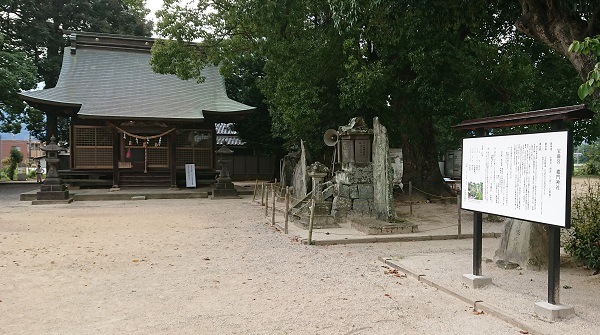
{"x":371,"y":226}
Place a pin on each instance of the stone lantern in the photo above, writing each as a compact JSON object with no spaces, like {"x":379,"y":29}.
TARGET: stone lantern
{"x":52,"y":190}
{"x":224,"y":187}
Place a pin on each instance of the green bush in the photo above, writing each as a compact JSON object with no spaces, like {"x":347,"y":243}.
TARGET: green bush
{"x":15,"y":158}
{"x":583,"y":242}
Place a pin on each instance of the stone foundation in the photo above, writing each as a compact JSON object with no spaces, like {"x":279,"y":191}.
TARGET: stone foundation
{"x":376,"y":227}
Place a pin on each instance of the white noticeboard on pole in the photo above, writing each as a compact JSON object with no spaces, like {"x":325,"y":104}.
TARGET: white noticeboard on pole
{"x":519,"y":176}
{"x":190,"y":175}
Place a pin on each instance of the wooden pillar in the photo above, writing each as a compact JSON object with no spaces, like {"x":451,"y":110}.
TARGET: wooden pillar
{"x":52,"y":127}
{"x":172,"y":158}
{"x":116,"y":157}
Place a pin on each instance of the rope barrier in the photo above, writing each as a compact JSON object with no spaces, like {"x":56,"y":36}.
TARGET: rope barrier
{"x":433,"y":195}
{"x":309,"y":204}
{"x":143,"y":137}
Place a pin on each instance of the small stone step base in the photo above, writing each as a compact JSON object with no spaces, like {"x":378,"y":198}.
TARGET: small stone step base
{"x":376,"y":227}
{"x":319,"y":221}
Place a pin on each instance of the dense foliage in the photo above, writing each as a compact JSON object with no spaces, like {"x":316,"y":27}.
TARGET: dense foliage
{"x":35,"y":28}
{"x":17,"y":73}
{"x":584,"y":236}
{"x":15,"y":158}
{"x":420,"y":66}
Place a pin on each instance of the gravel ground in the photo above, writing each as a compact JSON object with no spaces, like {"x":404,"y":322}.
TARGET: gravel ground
{"x":203,"y":266}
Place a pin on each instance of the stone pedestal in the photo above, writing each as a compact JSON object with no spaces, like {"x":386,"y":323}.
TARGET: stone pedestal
{"x":552,"y":312}
{"x":474,"y":281}
{"x":225,"y":189}
{"x":53,"y":192}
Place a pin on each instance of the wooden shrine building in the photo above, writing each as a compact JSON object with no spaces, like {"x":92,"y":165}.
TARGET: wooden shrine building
{"x":130,"y":126}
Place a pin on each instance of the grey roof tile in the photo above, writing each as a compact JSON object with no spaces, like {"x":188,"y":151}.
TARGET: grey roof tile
{"x":119,"y":83}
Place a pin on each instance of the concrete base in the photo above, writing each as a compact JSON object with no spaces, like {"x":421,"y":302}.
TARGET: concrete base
{"x":371,"y":226}
{"x":319,"y":222}
{"x":225,"y":193}
{"x":52,"y":202}
{"x":552,"y":312}
{"x":475,"y":282}
{"x":225,"y":197}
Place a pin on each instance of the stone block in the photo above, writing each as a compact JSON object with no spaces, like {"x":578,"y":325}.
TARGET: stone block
{"x":474,"y":281}
{"x":362,"y":206}
{"x":355,"y":175}
{"x":344,"y":190}
{"x":365,"y":191}
{"x":53,"y":195}
{"x":339,"y":215}
{"x":353,"y":191}
{"x":341,"y":204}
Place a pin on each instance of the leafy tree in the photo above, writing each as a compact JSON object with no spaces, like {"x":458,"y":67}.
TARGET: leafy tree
{"x":255,"y":130}
{"x":421,"y":66}
{"x":36,"y":28}
{"x":16,"y":73}
{"x":16,"y":157}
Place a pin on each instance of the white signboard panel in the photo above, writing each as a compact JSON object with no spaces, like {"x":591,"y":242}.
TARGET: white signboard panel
{"x":519,"y":176}
{"x":190,"y":175}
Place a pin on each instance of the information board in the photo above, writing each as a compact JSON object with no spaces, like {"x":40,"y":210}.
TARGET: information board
{"x":190,"y":175}
{"x":519,"y":176}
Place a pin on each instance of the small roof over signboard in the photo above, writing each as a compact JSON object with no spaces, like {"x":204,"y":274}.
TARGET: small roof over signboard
{"x":110,"y":77}
{"x":568,"y":113}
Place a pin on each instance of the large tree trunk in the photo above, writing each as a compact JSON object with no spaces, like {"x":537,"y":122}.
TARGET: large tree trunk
{"x":420,"y":156}
{"x":557,"y":28}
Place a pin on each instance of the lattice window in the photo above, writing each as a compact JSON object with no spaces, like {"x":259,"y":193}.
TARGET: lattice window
{"x":158,"y":157}
{"x":92,"y":147}
{"x":194,"y":146}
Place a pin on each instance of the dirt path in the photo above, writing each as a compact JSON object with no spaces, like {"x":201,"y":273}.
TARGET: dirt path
{"x":204,"y":267}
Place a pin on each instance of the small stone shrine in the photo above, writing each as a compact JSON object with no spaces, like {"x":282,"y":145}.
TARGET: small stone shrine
{"x":52,"y":191}
{"x":364,"y":185}
{"x":361,"y":192}
{"x":355,"y":180}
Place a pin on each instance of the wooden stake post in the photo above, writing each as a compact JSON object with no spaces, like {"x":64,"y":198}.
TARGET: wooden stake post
{"x":287,"y":208}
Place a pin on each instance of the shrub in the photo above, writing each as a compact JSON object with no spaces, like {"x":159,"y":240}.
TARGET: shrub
{"x":15,"y":158}
{"x":583,"y":242}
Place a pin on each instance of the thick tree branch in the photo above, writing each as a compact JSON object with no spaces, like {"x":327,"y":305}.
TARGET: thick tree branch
{"x":556,"y":28}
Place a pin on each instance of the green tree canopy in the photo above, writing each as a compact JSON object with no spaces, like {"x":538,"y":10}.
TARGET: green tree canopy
{"x":421,"y":66}
{"x":17,"y":73}
{"x":36,"y":28}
